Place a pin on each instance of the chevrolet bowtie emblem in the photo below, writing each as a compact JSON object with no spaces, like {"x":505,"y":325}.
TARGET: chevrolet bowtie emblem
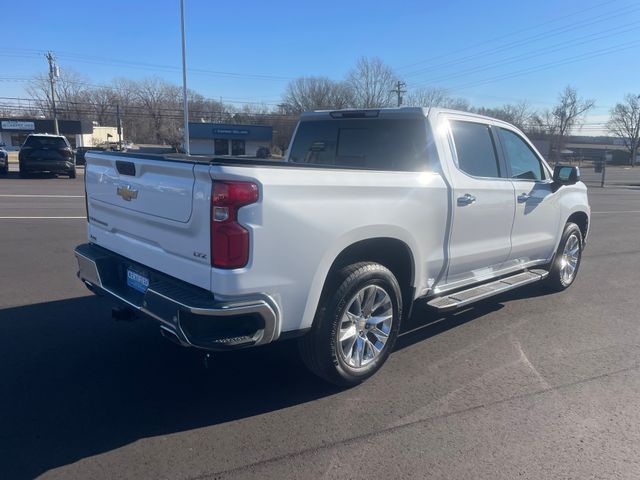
{"x":127,"y":193}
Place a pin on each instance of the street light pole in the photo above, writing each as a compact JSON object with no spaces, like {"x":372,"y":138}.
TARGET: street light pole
{"x":185,"y":140}
{"x":634,"y":154}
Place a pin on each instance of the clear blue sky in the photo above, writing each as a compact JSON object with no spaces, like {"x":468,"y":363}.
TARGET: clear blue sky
{"x":490,"y":52}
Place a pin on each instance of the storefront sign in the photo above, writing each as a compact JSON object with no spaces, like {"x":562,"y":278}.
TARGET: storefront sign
{"x":230,"y":131}
{"x":17,"y":125}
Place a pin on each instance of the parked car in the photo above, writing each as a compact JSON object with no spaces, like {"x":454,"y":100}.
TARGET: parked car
{"x":80,"y":153}
{"x":263,"y":152}
{"x":46,"y":153}
{"x":370,"y":211}
{"x":4,"y":160}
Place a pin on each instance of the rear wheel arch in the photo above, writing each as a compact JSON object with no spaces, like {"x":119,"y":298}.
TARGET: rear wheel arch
{"x":390,"y":252}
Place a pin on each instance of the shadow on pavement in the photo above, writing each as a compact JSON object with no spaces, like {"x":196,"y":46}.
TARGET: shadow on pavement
{"x":426,"y":322}
{"x":74,"y":383}
{"x":30,"y":176}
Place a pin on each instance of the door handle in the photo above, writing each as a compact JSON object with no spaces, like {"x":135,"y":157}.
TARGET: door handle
{"x":523,"y":197}
{"x":466,"y":199}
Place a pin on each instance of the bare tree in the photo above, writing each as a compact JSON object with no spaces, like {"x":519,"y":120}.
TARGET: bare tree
{"x":160,"y":102}
{"x":203,"y":109}
{"x":518,"y":114}
{"x":316,"y":93}
{"x":372,"y":82}
{"x":436,"y":97}
{"x":427,"y":97}
{"x":123,"y":90}
{"x":625,"y":123}
{"x":565,"y":116}
{"x":102,"y":101}
{"x":457,"y":103}
{"x":71,"y":89}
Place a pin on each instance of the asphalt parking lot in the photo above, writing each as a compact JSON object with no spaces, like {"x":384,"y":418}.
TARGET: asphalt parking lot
{"x":526,"y":385}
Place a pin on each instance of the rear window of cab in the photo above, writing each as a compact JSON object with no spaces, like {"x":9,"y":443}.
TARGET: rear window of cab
{"x":370,"y":144}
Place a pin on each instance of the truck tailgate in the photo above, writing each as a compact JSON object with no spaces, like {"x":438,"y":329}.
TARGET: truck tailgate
{"x":158,"y":188}
{"x":152,"y":210}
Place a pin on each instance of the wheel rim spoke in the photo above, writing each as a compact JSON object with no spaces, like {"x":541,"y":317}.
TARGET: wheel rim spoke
{"x":373,"y":350}
{"x":570,"y":258}
{"x":365,"y":326}
{"x":348,"y":333}
{"x":358,"y":350}
{"x":380,"y":335}
{"x":378,"y":319}
{"x":369,"y":299}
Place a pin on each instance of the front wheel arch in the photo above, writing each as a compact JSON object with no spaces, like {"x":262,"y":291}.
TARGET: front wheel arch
{"x":555,"y":280}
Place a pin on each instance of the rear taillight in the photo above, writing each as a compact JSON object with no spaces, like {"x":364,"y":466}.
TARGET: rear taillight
{"x":229,"y":239}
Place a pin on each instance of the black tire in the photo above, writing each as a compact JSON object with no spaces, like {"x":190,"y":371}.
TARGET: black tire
{"x":72,"y":174}
{"x":556,"y":281}
{"x":320,"y":349}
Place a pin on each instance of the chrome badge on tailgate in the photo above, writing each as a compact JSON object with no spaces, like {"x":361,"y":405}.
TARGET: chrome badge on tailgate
{"x":127,"y":193}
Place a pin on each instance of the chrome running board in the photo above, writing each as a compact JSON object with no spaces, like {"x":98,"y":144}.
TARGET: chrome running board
{"x":480,"y":292}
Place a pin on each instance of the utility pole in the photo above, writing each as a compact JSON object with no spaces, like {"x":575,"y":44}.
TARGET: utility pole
{"x":184,"y":83}
{"x":118,"y":126}
{"x":399,"y":91}
{"x":54,"y":73}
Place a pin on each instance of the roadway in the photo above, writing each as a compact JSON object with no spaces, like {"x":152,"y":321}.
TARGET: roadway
{"x":526,"y":385}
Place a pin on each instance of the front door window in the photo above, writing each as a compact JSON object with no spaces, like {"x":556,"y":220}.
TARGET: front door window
{"x":525,"y":165}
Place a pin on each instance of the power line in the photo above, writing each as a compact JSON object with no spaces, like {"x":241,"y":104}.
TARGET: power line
{"x":552,"y":32}
{"x":86,"y":108}
{"x":539,"y":52}
{"x":93,"y":60}
{"x":491,"y":52}
{"x":274,"y":103}
{"x":547,"y":66}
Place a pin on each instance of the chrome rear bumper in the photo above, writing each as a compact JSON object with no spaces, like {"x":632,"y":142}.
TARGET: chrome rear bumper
{"x":188,"y":314}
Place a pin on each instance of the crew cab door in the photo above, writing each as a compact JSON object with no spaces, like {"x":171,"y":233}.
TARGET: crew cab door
{"x":483,"y":203}
{"x":537,"y":215}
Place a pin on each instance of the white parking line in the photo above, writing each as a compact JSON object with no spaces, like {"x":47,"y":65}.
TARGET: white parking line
{"x":40,"y":218}
{"x":43,"y":196}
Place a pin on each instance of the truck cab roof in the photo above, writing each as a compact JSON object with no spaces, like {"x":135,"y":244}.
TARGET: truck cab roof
{"x":390,"y":113}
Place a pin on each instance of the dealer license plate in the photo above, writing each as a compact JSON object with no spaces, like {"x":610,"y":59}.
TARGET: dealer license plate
{"x":137,"y":280}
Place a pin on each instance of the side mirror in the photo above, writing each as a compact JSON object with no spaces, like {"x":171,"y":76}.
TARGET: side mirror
{"x":566,"y":175}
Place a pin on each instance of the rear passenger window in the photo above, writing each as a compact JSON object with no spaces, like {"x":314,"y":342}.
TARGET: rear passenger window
{"x":372,"y":144}
{"x":523,"y":162}
{"x":475,"y":149}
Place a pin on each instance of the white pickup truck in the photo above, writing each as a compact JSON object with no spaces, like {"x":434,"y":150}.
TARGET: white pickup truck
{"x":369,"y":211}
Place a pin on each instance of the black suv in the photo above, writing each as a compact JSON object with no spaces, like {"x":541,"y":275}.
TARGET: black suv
{"x":4,"y":160}
{"x":47,"y":153}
